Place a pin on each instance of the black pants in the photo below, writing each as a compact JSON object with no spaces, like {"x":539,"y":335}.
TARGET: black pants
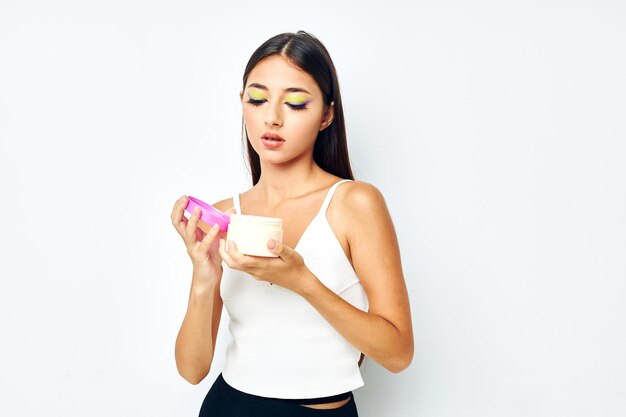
{"x":223,"y":400}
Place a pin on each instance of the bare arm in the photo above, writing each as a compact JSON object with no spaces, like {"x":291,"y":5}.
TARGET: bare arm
{"x":385,"y":332}
{"x":195,"y":343}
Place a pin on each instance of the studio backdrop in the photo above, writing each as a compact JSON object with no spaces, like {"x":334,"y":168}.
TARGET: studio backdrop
{"x":495,"y":131}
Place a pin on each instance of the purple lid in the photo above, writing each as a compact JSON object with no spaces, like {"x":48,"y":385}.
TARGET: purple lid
{"x":209,"y":214}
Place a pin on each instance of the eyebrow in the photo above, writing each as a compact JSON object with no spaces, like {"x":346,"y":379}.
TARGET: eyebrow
{"x":288,"y":90}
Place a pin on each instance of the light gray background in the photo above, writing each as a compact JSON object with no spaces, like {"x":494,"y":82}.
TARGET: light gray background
{"x":495,"y":130}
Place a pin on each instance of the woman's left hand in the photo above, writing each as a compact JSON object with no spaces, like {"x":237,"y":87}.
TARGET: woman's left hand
{"x":287,"y":270}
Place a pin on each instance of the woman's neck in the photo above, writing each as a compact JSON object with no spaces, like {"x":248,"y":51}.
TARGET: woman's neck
{"x":280,"y":182}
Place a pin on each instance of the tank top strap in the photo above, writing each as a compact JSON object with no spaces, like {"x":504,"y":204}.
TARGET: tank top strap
{"x":236,"y":203}
{"x":329,"y":196}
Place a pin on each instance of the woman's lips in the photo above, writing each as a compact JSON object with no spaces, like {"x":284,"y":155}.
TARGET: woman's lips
{"x":272,"y":140}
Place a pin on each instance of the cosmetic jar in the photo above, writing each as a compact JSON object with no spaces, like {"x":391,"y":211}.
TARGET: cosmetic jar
{"x":251,"y":233}
{"x":209,"y":215}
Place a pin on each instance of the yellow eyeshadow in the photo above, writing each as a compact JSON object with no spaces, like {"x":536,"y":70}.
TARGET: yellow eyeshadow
{"x":257,"y":95}
{"x":296,"y":99}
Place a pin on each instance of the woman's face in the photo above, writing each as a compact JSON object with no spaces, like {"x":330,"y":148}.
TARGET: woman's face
{"x":283,"y":111}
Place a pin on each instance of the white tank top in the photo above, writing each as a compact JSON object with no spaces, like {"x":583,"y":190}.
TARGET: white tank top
{"x":281,"y":346}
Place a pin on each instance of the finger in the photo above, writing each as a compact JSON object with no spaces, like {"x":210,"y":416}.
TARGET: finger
{"x":179,"y":207}
{"x":239,"y":260}
{"x":178,"y":218}
{"x":181,"y":226}
{"x":278,"y":249}
{"x":225,"y":255}
{"x":175,"y":210}
{"x":209,"y":238}
{"x":236,"y":259}
{"x":230,"y":211}
{"x":236,"y":256}
{"x":190,"y":229}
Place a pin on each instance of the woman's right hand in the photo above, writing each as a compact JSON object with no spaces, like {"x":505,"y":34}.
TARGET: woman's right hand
{"x":203,"y":248}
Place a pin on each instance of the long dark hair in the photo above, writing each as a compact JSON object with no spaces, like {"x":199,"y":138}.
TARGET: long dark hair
{"x":306,"y":52}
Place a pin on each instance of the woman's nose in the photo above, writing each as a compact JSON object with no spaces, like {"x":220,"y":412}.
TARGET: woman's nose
{"x":273,"y":116}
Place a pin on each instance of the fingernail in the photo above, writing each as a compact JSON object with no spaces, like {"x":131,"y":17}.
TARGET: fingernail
{"x":271,"y":244}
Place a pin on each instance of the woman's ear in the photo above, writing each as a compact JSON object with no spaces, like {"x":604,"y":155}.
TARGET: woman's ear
{"x":329,"y":116}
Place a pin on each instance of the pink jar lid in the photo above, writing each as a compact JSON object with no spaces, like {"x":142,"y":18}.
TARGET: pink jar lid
{"x":209,"y":214}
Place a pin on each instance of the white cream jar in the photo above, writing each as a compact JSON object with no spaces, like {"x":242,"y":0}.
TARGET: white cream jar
{"x":251,"y":233}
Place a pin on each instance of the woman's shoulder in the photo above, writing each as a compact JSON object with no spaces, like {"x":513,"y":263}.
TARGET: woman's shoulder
{"x":358,"y":200}
{"x":359,"y":196}
{"x":357,"y":210}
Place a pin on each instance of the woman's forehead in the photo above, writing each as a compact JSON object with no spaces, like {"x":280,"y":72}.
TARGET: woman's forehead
{"x":278,"y":74}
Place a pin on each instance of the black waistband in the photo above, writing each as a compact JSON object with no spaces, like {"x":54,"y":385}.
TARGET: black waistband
{"x":302,"y":401}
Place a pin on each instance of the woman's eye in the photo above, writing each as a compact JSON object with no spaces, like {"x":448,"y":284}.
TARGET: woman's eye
{"x":255,"y":102}
{"x":297,"y":106}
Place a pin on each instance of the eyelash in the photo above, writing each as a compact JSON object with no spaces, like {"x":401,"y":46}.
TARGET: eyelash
{"x":294,"y":107}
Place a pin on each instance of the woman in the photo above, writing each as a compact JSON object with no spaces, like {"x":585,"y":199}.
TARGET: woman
{"x":300,"y":321}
